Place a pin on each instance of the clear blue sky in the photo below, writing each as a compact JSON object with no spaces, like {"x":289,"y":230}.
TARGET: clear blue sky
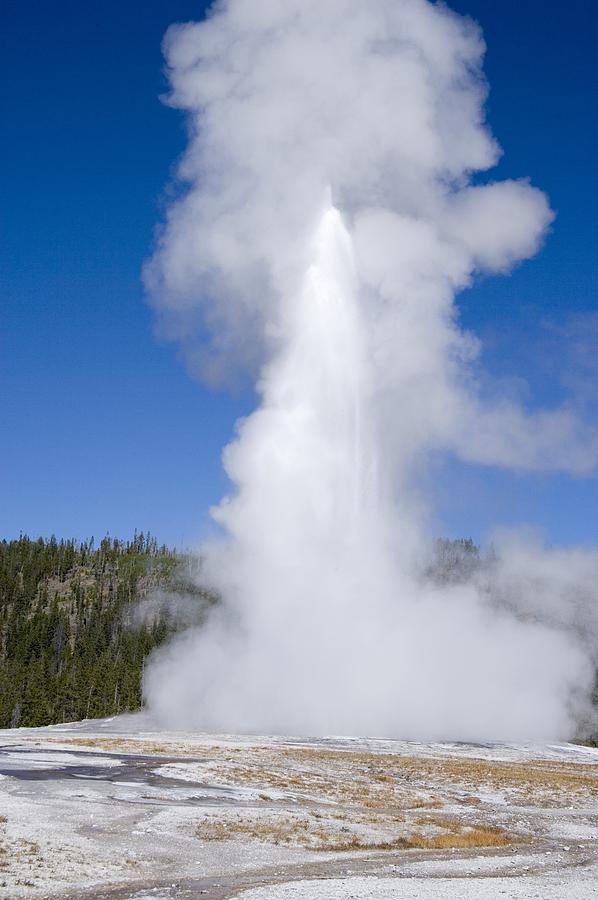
{"x":102,"y":429}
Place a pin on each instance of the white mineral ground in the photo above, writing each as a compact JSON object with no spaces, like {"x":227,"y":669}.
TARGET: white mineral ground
{"x":107,"y":809}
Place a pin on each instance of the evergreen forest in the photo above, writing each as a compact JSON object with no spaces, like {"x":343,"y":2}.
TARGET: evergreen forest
{"x":72,"y":642}
{"x":78,"y":621}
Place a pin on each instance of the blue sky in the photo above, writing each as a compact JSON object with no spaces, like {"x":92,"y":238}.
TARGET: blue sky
{"x":103,"y":430}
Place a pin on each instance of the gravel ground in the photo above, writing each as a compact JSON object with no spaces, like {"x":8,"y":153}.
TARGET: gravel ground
{"x":571,"y":886}
{"x":109,"y":809}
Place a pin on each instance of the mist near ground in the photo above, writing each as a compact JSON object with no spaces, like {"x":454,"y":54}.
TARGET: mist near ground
{"x":333,"y":202}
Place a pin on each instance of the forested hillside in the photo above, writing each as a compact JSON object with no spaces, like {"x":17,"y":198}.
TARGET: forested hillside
{"x":77,"y":622}
{"x":72,"y":641}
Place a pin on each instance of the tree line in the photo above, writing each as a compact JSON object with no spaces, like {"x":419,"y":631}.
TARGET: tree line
{"x":78,"y":621}
{"x":68,"y":648}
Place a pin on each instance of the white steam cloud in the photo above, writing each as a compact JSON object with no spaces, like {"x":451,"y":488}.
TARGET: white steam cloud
{"x":329,"y":218}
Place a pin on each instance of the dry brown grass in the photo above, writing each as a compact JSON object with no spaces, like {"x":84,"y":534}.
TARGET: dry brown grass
{"x":281,"y":830}
{"x":323,"y":779}
{"x":20,"y":851}
{"x":328,"y":837}
{"x":480,"y":836}
{"x":468,"y":801}
{"x":373,"y":780}
{"x":468,"y":837}
{"x":123,"y":745}
{"x":542,"y":781}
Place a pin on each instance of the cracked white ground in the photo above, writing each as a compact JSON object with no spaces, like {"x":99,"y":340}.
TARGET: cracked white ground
{"x":108,"y":809}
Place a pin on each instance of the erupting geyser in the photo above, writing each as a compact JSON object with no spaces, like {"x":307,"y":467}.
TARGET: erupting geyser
{"x":329,"y":219}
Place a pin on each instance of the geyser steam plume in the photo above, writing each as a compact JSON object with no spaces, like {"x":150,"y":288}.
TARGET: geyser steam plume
{"x":328,"y":220}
